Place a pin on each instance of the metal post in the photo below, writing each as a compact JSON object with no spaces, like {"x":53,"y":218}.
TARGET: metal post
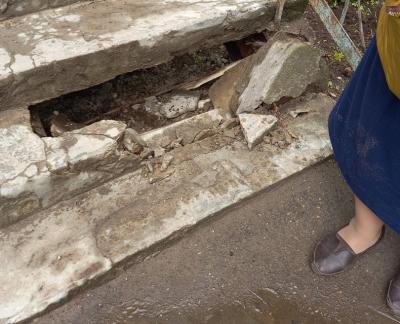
{"x":338,"y":33}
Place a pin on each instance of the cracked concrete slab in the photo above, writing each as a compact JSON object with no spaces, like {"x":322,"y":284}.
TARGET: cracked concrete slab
{"x":115,"y":221}
{"x":53,"y":52}
{"x":38,"y":172}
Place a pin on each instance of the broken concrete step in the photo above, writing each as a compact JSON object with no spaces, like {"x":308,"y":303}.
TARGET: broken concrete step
{"x":60,"y":249}
{"x":283,"y":68}
{"x":53,"y":52}
{"x":36,"y":172}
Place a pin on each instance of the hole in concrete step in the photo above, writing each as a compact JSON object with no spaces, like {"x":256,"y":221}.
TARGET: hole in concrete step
{"x":122,"y":98}
{"x":246,"y":46}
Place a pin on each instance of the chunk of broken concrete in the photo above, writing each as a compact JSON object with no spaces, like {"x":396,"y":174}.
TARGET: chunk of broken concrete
{"x":85,"y":149}
{"x":284,"y":67}
{"x":174,"y":104}
{"x":56,"y":153}
{"x":184,"y":130}
{"x":166,"y":162}
{"x":133,"y":142}
{"x":110,"y":128}
{"x":255,"y":127}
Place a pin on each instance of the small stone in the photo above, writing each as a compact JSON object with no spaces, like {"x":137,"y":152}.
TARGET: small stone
{"x":255,"y":127}
{"x":161,"y":176}
{"x":267,"y":139}
{"x":166,"y":162}
{"x":133,"y":142}
{"x":158,"y":152}
{"x":281,"y":144}
{"x":299,"y":111}
{"x":165,"y":142}
{"x":348,"y":71}
{"x":149,"y":166}
{"x":204,"y":104}
{"x":136,"y":148}
{"x":230,"y":123}
{"x":176,"y":143}
{"x":204,"y":134}
{"x":146,"y":153}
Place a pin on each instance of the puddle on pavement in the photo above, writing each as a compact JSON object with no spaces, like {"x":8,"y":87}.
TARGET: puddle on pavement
{"x":261,"y":307}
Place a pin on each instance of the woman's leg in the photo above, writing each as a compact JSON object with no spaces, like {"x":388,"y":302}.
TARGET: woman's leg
{"x":364,"y":229}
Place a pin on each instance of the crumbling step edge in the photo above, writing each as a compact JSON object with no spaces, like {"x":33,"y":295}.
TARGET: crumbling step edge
{"x":79,"y":240}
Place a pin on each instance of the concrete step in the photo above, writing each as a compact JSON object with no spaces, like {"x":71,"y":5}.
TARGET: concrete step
{"x":250,"y":265}
{"x":58,"y":250}
{"x":57,"y":51}
{"x":37,"y":172}
{"x":16,"y":8}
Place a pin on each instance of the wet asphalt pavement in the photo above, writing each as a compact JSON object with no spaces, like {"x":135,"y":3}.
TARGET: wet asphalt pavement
{"x":249,"y":264}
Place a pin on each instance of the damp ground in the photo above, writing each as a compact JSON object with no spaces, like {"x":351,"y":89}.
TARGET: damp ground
{"x":249,"y":264}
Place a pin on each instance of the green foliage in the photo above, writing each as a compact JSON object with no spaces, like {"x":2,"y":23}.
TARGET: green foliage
{"x":367,"y":6}
{"x":338,"y":56}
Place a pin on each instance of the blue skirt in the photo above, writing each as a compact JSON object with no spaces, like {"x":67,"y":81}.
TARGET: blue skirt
{"x":364,"y":128}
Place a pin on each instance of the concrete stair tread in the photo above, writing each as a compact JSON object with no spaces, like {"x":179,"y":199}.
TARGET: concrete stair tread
{"x":57,"y":51}
{"x":60,"y":249}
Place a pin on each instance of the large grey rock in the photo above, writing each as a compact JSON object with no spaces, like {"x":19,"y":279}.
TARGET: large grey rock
{"x":53,"y":52}
{"x":284,"y":67}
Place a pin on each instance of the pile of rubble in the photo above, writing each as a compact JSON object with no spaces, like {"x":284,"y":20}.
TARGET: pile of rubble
{"x":283,"y":68}
{"x":244,"y":101}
